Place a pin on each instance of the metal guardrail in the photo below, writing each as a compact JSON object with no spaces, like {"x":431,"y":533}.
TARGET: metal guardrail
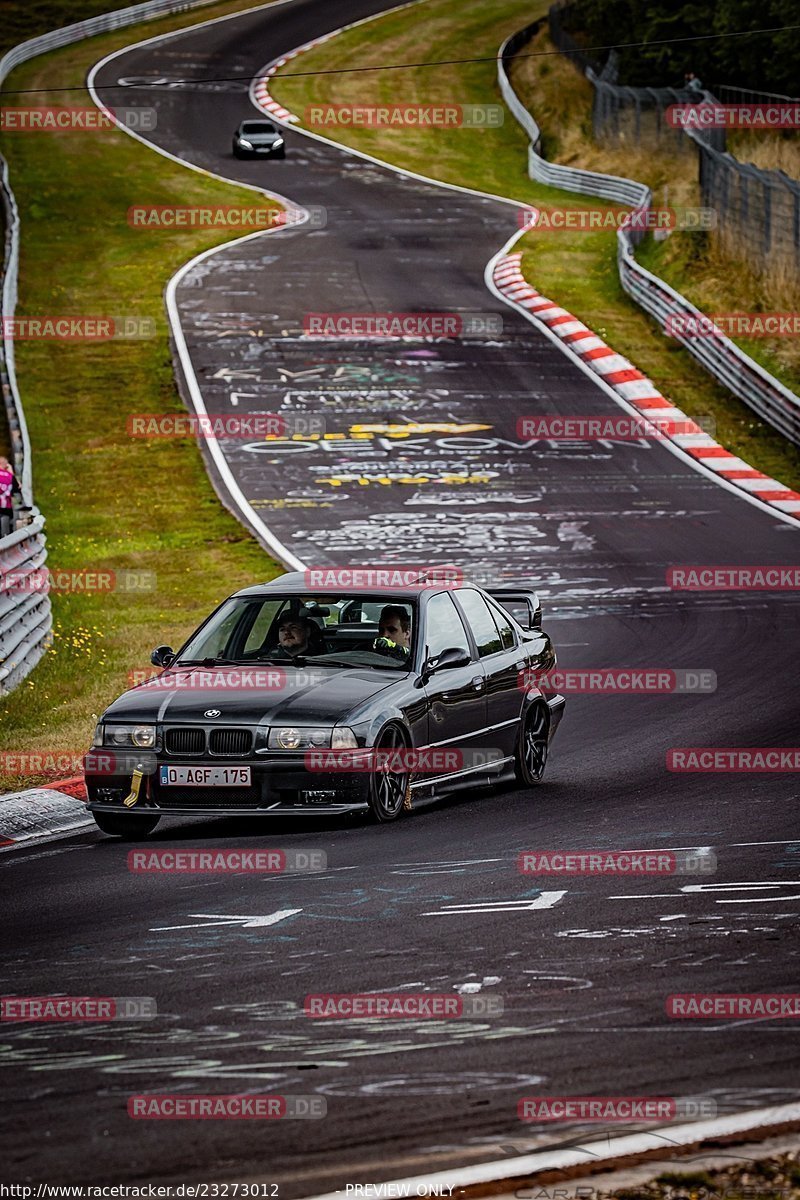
{"x":26,"y":621}
{"x":721,"y":357}
{"x":25,"y":614}
{"x":569,"y":179}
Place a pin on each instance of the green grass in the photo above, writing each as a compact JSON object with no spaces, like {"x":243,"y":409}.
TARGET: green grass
{"x":24,"y":19}
{"x":578,"y":270}
{"x":111,"y":502}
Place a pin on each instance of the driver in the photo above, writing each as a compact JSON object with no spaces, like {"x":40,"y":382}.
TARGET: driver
{"x":294,"y":635}
{"x":394,"y":630}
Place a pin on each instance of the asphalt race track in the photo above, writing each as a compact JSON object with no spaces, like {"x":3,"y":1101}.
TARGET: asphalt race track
{"x":435,"y":902}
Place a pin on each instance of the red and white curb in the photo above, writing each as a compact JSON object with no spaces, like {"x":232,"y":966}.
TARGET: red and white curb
{"x":639,"y":391}
{"x":40,"y":814}
{"x":260,"y":91}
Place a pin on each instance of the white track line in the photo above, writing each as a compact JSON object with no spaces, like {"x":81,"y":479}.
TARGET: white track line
{"x":673,"y":447}
{"x":248,"y":513}
{"x":664,"y":1140}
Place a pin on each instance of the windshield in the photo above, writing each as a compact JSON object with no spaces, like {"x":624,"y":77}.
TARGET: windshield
{"x":257,"y":127}
{"x":337,"y":631}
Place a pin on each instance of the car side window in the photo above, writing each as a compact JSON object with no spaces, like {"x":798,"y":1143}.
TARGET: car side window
{"x":261,"y":626}
{"x":504,"y":626}
{"x":445,"y":627}
{"x":481,"y":622}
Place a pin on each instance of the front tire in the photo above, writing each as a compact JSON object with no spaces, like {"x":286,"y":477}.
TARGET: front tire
{"x":387,"y":788}
{"x":531,"y":756}
{"x":129,"y":828}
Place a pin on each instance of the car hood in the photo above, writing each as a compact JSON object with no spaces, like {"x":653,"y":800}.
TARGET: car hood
{"x":246,"y":696}
{"x":260,"y":139}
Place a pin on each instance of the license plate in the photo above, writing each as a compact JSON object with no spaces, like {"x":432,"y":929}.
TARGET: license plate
{"x":205,"y":776}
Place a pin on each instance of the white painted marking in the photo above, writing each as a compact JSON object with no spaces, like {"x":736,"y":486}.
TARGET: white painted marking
{"x":780,"y":842}
{"x":545,"y":900}
{"x":238,"y":922}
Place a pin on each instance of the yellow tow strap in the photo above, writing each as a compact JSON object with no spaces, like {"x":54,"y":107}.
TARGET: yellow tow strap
{"x":136,"y":783}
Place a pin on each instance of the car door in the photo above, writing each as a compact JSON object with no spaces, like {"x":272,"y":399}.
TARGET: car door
{"x":503,"y":661}
{"x":457,"y":696}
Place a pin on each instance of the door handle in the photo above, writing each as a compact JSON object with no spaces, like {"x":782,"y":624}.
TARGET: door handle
{"x":477,"y":683}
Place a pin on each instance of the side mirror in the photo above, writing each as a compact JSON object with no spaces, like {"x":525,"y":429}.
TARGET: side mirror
{"x":162,"y":656}
{"x":453,"y":656}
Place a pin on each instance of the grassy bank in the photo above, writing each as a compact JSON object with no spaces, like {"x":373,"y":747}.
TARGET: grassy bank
{"x":576,"y":269}
{"x":111,"y":502}
{"x":705,"y":268}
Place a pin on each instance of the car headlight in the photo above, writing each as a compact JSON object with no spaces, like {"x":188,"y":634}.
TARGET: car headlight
{"x":141,"y":736}
{"x":278,"y":142}
{"x":287,"y":737}
{"x":244,"y":143}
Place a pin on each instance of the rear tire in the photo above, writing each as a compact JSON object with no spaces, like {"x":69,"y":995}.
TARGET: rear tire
{"x":387,"y":789}
{"x":129,"y":828}
{"x":530,"y":759}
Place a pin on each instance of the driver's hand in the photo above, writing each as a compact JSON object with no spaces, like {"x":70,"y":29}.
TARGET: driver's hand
{"x":384,"y":645}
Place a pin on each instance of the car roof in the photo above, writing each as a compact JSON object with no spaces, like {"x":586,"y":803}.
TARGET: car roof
{"x":296,"y":583}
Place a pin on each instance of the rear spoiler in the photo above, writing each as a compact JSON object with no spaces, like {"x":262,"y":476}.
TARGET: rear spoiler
{"x":521,"y":601}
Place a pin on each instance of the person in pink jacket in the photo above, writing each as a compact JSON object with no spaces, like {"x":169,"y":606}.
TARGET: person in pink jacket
{"x":8,"y":489}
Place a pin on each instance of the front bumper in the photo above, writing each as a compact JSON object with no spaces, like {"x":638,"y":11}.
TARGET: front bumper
{"x":279,"y":786}
{"x":260,"y":151}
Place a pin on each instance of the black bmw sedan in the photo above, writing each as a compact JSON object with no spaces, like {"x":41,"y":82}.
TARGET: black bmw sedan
{"x":292,"y":699}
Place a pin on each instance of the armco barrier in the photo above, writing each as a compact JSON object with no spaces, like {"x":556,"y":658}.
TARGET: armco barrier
{"x":748,"y":381}
{"x":25,"y":617}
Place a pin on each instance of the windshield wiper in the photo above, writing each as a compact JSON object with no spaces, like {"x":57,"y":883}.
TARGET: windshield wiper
{"x":333,"y":661}
{"x":206,"y":662}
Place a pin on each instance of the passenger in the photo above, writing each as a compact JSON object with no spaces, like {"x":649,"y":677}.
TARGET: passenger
{"x":394,"y":630}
